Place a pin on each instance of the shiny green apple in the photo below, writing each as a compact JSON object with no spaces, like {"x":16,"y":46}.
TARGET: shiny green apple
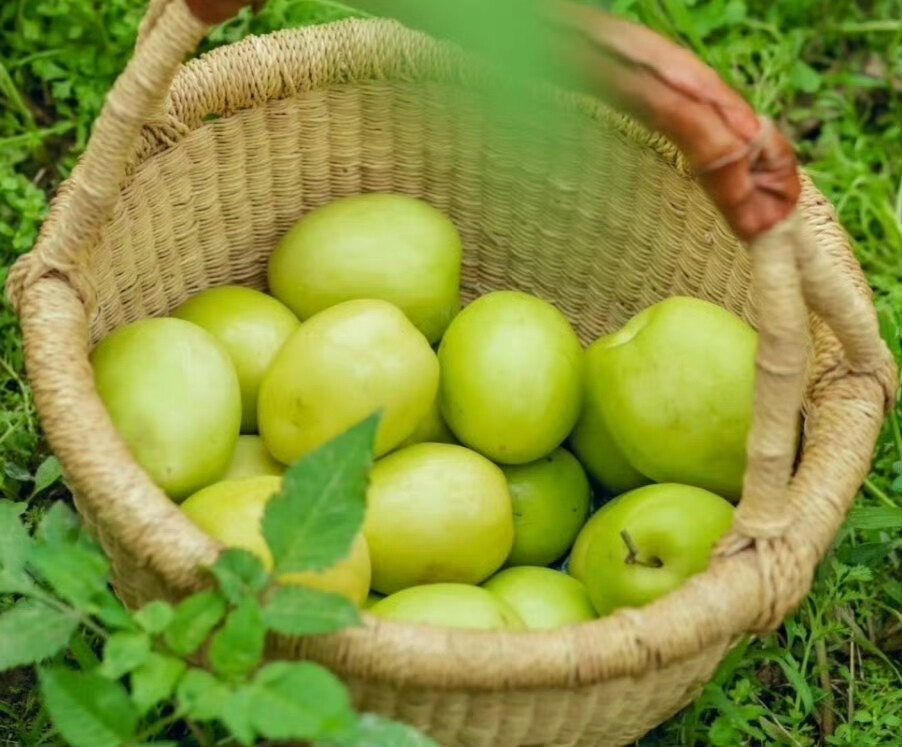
{"x":231,"y":512}
{"x":431,"y":429}
{"x":251,"y":326}
{"x":449,"y":605}
{"x":388,"y":246}
{"x":551,"y":499}
{"x":596,"y":449}
{"x":173,"y":395}
{"x":436,"y":513}
{"x":675,"y":387}
{"x":251,"y":458}
{"x":646,"y":543}
{"x":511,"y":382}
{"x":340,"y":367}
{"x":543,"y":598}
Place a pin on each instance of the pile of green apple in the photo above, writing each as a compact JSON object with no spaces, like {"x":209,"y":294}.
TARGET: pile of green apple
{"x":521,"y":480}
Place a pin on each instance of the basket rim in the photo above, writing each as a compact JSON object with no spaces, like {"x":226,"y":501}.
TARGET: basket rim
{"x":738,"y":594}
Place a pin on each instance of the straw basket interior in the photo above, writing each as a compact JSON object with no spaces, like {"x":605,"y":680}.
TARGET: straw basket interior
{"x":585,"y":209}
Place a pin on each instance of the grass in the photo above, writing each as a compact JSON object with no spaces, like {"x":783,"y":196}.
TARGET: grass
{"x":829,"y":71}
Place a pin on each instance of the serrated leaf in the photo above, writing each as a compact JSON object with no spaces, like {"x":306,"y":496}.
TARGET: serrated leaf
{"x":295,"y":610}
{"x":312,"y":524}
{"x":193,"y":621}
{"x":154,"y":616}
{"x":59,"y":525}
{"x":49,"y":473}
{"x":155,"y":680}
{"x":300,"y":700}
{"x":123,"y":652}
{"x":87,"y":709}
{"x":76,"y":572}
{"x":237,"y":648}
{"x":239,"y":573}
{"x":31,"y":632}
{"x":372,"y":730}
{"x":237,"y":716}
{"x":107,"y":608}
{"x":15,"y":545}
{"x":201,"y":696}
{"x":875,"y":518}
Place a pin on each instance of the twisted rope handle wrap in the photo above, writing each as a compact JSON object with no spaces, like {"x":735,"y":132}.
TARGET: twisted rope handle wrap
{"x":746,"y":167}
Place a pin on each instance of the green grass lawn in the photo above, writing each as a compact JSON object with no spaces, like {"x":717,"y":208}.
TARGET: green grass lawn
{"x":829,"y":71}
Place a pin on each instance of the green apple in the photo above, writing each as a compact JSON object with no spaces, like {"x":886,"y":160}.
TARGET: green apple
{"x":511,"y":383}
{"x":173,"y":395}
{"x":542,"y":597}
{"x":431,"y":429}
{"x":436,"y":513}
{"x":251,"y":326}
{"x":251,"y":458}
{"x":596,"y":449}
{"x":231,"y":512}
{"x":387,"y":246}
{"x":340,"y":367}
{"x":449,"y":605}
{"x":675,"y":386}
{"x":647,"y":542}
{"x":372,"y":598}
{"x":551,"y":499}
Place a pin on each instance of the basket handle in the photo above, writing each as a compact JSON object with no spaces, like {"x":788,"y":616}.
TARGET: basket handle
{"x":748,"y":169}
{"x":750,"y":172}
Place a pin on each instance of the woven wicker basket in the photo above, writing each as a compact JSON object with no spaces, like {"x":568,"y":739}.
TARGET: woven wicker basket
{"x":179,"y":193}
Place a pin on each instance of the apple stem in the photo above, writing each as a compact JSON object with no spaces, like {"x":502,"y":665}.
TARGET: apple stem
{"x":632,"y":557}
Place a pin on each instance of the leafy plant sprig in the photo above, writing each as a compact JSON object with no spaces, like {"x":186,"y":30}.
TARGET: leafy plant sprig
{"x":146,"y":681}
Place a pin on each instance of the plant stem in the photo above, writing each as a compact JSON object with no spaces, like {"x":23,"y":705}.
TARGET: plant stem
{"x":828,"y":720}
{"x":632,"y":557}
{"x":868,"y":27}
{"x":879,"y":494}
{"x":82,"y":652}
{"x":158,"y":726}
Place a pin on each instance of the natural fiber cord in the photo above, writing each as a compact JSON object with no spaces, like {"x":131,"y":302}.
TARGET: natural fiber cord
{"x":595,"y":214}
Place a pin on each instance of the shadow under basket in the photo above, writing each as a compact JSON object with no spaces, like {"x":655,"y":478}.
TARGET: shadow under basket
{"x":583,"y":208}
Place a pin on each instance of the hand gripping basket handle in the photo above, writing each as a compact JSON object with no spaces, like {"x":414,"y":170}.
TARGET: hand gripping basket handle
{"x":747,"y":168}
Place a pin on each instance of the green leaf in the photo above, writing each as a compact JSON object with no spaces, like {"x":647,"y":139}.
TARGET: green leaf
{"x":300,"y":700}
{"x":295,"y":610}
{"x":875,"y":518}
{"x":312,"y":524}
{"x":31,"y":632}
{"x":804,"y":78}
{"x":240,"y":574}
{"x":49,"y":473}
{"x":15,"y":546}
{"x":201,"y":696}
{"x":155,"y":616}
{"x":123,"y":652}
{"x":237,"y":715}
{"x":107,"y":608}
{"x":76,"y":572}
{"x":237,"y":648}
{"x":891,"y":329}
{"x":87,"y":709}
{"x":194,"y":619}
{"x":377,"y":731}
{"x":59,"y":525}
{"x":155,"y":680}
